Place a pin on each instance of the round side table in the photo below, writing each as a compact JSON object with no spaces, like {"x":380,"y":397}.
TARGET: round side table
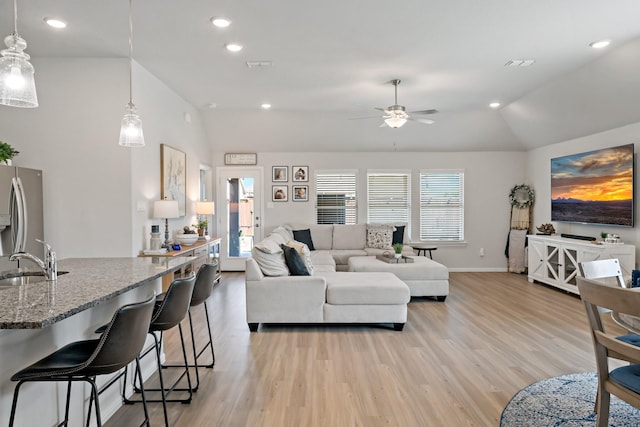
{"x":424,"y":249}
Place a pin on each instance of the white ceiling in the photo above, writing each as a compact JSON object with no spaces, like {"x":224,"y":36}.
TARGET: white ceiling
{"x":332,"y":61}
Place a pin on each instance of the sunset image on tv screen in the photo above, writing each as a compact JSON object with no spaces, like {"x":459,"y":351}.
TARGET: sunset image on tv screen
{"x":595,"y":187}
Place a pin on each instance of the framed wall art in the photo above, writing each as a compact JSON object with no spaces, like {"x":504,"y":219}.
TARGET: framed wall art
{"x":300,"y":173}
{"x":173,"y":176}
{"x":279,"y":174}
{"x":300,"y":193}
{"x":280,"y":193}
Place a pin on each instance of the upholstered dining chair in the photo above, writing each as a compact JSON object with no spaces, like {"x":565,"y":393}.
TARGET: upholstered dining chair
{"x":121,"y":341}
{"x":623,"y":382}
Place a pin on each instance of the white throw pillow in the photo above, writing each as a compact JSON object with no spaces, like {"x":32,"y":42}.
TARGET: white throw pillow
{"x":380,"y":236}
{"x":270,"y":258}
{"x":304,"y":252}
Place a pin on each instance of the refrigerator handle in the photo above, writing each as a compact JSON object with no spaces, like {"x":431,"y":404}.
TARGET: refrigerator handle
{"x":24,"y":220}
{"x":17,"y":216}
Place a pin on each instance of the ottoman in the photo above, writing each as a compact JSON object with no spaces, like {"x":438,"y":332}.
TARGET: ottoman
{"x":424,"y":276}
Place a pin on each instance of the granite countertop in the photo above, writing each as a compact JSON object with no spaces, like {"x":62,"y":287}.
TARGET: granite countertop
{"x":88,"y":282}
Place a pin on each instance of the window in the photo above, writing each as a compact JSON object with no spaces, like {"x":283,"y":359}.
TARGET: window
{"x":336,"y":197}
{"x":442,"y":205}
{"x":389,"y":197}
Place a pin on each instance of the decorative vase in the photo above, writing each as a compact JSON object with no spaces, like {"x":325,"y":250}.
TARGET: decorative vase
{"x":397,"y":255}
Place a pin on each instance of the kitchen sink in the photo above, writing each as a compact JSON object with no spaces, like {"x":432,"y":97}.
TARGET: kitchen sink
{"x":23,"y":278}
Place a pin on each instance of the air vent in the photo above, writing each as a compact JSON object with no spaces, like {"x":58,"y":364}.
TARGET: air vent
{"x":520,"y":63}
{"x":259,"y":65}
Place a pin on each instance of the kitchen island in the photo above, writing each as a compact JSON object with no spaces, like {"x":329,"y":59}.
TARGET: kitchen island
{"x":38,"y":318}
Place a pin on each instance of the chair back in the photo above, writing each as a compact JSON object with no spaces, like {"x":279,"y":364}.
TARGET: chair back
{"x":602,"y":269}
{"x":122,"y":339}
{"x":175,"y":304}
{"x":622,"y":302}
{"x":205,"y":279}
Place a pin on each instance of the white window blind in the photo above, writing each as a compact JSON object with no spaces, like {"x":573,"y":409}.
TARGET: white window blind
{"x":389,"y":197}
{"x":442,"y":205}
{"x":336,"y":198}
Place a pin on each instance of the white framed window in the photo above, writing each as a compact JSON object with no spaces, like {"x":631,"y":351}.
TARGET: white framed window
{"x":336,"y":197}
{"x":389,"y":196}
{"x":442,"y":205}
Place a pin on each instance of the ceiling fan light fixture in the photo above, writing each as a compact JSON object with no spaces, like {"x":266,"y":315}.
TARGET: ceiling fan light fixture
{"x":233,"y":47}
{"x":600,"y":44}
{"x":55,"y":23}
{"x":395,"y":122}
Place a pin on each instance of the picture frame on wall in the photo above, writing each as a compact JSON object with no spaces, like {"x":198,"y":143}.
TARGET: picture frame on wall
{"x":280,"y":193}
{"x":173,"y":176}
{"x":279,"y":174}
{"x":300,"y":173}
{"x":300,"y":193}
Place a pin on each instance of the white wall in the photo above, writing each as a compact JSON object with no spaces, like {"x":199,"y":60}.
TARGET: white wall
{"x":539,"y":173}
{"x":488,"y":180}
{"x":92,"y":185}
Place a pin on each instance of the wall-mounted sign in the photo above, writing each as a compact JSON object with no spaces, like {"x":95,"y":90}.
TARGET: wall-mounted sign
{"x":240,"y":159}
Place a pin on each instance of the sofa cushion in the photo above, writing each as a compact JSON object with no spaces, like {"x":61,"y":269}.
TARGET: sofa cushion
{"x":323,"y":258}
{"x":304,"y":252}
{"x":342,"y":257}
{"x":271,"y":264}
{"x":352,"y":236}
{"x":284,"y":232}
{"x":365,"y":288}
{"x":294,"y":261}
{"x":380,"y":236}
{"x":304,"y":236}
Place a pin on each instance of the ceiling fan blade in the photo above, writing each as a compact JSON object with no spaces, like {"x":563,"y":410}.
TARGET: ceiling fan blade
{"x":383,"y":125}
{"x":424,"y":112}
{"x":423,"y":121}
{"x":382,"y":109}
{"x":361,"y":118}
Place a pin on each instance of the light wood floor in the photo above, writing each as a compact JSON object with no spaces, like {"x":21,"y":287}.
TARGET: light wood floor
{"x":456,"y":363}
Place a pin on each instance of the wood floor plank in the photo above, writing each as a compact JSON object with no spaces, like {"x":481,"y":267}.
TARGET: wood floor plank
{"x":456,"y":363}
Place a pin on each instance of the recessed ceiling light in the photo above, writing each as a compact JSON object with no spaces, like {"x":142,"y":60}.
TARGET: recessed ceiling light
{"x":233,"y":47}
{"x":494,"y":105}
{"x":55,"y":23}
{"x":265,"y":106}
{"x":600,"y":44}
{"x":220,"y":22}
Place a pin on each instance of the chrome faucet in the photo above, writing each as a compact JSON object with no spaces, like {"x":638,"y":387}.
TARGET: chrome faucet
{"x":50,"y":264}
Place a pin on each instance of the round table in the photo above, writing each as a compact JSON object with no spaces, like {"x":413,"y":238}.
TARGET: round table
{"x":424,"y":248}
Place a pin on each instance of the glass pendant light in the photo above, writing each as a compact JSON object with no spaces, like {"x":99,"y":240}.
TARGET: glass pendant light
{"x":17,"y":82}
{"x":131,"y":130}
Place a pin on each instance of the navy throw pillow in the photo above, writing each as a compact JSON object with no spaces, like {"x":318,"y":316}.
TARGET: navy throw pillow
{"x":304,"y":236}
{"x":398,"y":235}
{"x":294,"y":262}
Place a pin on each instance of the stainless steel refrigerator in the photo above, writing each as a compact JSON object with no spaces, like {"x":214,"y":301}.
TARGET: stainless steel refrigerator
{"x":21,"y":214}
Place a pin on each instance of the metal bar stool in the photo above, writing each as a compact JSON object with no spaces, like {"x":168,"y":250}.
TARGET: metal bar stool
{"x":205,"y":279}
{"x":168,"y":313}
{"x":119,"y":345}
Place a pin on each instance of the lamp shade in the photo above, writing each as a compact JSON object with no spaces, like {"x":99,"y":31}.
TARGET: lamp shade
{"x":17,"y":83}
{"x":395,"y":122}
{"x":165,"y":209}
{"x":205,"y":208}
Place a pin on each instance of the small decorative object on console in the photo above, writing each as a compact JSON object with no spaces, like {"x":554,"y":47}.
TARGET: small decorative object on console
{"x":546,"y":229}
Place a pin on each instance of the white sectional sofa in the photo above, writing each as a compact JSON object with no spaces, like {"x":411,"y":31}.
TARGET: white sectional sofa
{"x":330,"y":294}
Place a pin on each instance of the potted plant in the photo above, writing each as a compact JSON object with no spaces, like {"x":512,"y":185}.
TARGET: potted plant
{"x":7,"y":152}
{"x":201,"y":225}
{"x":397,"y":248}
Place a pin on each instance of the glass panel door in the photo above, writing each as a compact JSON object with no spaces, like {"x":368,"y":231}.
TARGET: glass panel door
{"x":239,"y":194}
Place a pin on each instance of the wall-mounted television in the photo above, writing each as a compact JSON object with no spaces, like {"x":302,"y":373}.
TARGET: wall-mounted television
{"x":595,"y":187}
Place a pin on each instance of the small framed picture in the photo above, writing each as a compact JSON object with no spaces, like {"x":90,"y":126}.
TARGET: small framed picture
{"x":280,"y":193}
{"x":300,"y":193}
{"x":300,"y":173}
{"x":280,"y":174}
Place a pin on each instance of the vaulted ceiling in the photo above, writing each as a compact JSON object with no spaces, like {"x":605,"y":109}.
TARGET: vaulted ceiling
{"x":325,"y":63}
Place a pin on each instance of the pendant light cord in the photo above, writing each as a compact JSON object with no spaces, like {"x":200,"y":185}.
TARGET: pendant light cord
{"x":130,"y":55}
{"x":15,"y":17}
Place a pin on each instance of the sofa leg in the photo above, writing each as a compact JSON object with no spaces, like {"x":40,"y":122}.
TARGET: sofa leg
{"x":441,"y":298}
{"x":253,"y":326}
{"x":398,"y":326}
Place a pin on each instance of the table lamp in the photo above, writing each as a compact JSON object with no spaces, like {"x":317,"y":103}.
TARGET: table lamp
{"x":166,"y":209}
{"x":205,"y":208}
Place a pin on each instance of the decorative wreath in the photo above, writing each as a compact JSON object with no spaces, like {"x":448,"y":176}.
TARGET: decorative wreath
{"x":518,"y":190}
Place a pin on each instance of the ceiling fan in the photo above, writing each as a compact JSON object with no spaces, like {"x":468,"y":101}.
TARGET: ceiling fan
{"x":395,"y":115}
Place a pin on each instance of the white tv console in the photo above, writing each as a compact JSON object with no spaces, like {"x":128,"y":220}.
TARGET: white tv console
{"x":554,"y":260}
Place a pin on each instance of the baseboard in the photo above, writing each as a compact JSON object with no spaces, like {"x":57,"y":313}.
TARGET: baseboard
{"x":479,"y":270}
